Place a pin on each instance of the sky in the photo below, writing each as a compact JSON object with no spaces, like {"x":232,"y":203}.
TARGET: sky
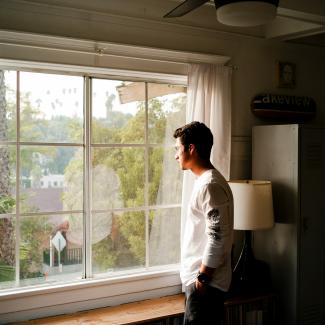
{"x":63,"y":95}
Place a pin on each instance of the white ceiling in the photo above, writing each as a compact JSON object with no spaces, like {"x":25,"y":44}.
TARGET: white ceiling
{"x":297,"y":20}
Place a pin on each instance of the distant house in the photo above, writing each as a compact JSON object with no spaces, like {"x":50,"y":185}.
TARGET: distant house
{"x":46,"y":181}
{"x":45,"y":194}
{"x":49,"y":181}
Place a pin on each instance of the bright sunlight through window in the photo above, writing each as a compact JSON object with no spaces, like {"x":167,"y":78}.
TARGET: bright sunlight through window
{"x":88,"y":182}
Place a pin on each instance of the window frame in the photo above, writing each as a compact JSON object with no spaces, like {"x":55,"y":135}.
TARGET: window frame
{"x":89,"y":145}
{"x":142,"y":285}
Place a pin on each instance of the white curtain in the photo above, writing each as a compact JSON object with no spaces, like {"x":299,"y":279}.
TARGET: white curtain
{"x":209,"y":101}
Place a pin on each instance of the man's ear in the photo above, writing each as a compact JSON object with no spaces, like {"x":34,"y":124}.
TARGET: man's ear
{"x":191,"y":148}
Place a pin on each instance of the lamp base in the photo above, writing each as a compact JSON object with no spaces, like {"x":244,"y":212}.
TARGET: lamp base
{"x":249,"y":273}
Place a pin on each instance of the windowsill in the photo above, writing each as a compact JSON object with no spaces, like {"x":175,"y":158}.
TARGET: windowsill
{"x":146,"y":311}
{"x":97,"y":280}
{"x":28,"y":303}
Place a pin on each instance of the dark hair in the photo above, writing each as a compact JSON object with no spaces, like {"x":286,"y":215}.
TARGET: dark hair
{"x":196,"y":133}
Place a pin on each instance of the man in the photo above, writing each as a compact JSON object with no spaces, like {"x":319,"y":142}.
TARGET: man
{"x":207,"y":241}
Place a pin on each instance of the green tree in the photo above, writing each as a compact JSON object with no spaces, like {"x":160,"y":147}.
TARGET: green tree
{"x":32,"y":124}
{"x":132,"y":224}
{"x":35,"y":233}
{"x":128,"y":247}
{"x":33,"y":128}
{"x":7,"y":240}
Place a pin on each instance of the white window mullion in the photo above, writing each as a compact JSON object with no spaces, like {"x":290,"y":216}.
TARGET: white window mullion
{"x":87,"y":271}
{"x":146,"y":182}
{"x":50,"y":144}
{"x":17,"y":250}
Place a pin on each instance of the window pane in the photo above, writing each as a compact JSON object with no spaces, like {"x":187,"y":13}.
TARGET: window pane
{"x":50,"y":248}
{"x":7,"y":252}
{"x":7,"y":179}
{"x":118,"y":177}
{"x":51,"y":178}
{"x":51,"y":108}
{"x":165,"y":177}
{"x":118,"y":111}
{"x":8,"y":86}
{"x":118,"y":241}
{"x":164,"y":236}
{"x":166,"y":111}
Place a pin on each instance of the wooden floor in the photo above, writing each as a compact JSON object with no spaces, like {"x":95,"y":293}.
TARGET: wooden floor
{"x":133,"y":313}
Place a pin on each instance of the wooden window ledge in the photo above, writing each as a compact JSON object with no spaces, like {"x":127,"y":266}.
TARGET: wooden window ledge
{"x":132,"y":313}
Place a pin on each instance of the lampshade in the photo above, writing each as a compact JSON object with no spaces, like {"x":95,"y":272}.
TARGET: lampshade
{"x":246,"y":13}
{"x":253,"y":205}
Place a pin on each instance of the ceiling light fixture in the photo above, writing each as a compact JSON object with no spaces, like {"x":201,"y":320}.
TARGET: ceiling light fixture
{"x":246,"y":13}
{"x":233,"y":12}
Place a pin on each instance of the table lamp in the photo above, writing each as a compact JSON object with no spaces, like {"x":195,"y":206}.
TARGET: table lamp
{"x":253,"y":210}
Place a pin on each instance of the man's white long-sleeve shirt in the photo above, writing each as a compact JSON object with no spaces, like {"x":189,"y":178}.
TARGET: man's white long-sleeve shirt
{"x":208,"y":233}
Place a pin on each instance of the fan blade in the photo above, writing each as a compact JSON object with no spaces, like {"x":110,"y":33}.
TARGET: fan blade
{"x":185,"y":7}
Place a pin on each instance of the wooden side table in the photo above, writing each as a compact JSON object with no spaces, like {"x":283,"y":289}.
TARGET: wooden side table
{"x":251,"y":309}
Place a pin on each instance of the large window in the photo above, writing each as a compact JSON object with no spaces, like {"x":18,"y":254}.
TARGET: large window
{"x":88,"y":182}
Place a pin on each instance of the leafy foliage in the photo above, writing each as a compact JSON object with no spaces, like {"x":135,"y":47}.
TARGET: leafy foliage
{"x":6,"y":204}
{"x":35,"y":233}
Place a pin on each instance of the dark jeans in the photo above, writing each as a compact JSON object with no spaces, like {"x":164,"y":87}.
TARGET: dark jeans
{"x":203,"y":309}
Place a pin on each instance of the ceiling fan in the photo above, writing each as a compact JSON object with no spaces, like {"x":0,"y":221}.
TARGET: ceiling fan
{"x":233,"y":12}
